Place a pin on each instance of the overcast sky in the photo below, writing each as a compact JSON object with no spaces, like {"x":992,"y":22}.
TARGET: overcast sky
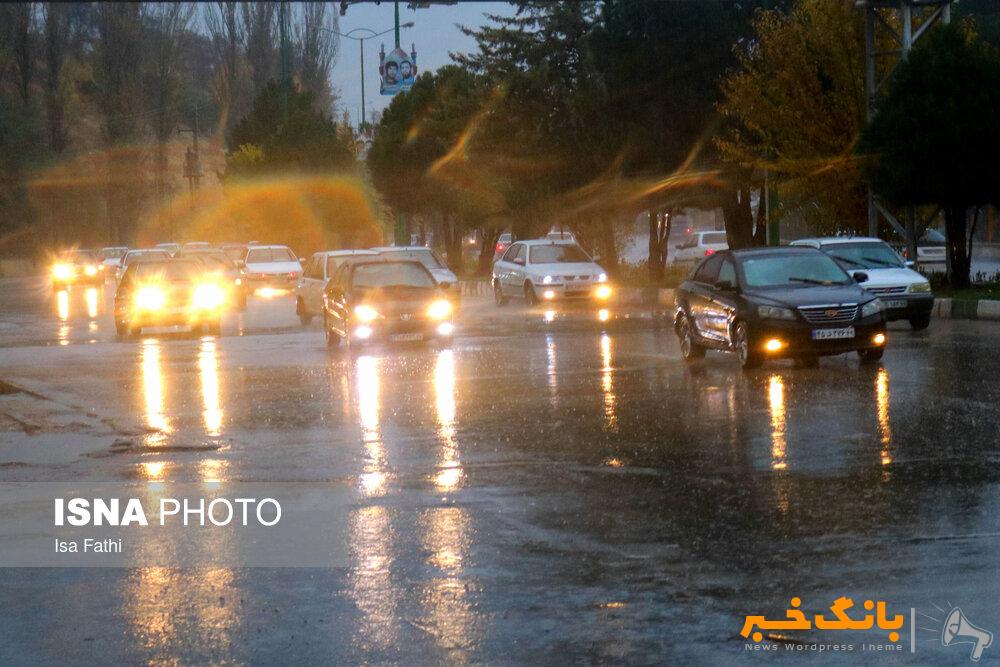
{"x":434,"y":34}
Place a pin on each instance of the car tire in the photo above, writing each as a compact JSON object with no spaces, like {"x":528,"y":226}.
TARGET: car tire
{"x":920,"y":322}
{"x":749,"y":358}
{"x":122,"y":329}
{"x":305,"y":317}
{"x":498,"y":296}
{"x":690,"y":350}
{"x":530,"y":297}
{"x":332,"y":339}
{"x":871,"y":355}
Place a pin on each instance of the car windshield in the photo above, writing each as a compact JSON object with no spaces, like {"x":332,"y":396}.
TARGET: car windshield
{"x":557,"y":254}
{"x":392,"y":274}
{"x":267,"y":255}
{"x":109,"y":253}
{"x":792,"y":271}
{"x":425,"y":256}
{"x":714,"y":238}
{"x":335,"y":262}
{"x":212,"y":260}
{"x":146,"y":256}
{"x":169,"y":271}
{"x":864,"y":255}
{"x":80,"y":257}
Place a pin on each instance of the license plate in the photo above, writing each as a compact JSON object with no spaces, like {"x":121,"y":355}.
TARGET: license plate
{"x":833,"y":334}
{"x":406,"y":336}
{"x":894,"y":303}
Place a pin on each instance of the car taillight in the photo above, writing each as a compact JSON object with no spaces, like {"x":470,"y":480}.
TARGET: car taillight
{"x":688,"y":231}
{"x":709,"y":251}
{"x":500,"y":247}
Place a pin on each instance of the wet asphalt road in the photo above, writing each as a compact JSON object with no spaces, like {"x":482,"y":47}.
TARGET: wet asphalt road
{"x":564,"y":491}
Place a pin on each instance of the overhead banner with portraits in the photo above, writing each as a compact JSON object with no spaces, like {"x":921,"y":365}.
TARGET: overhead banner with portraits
{"x":397,"y":70}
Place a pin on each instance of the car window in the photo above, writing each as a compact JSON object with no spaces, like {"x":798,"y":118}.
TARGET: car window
{"x":521,"y":254}
{"x":170,"y":271}
{"x":727,"y":272}
{"x":425,"y":256}
{"x":511,"y":253}
{"x":332,"y":264}
{"x":865,"y":255}
{"x":561,"y":253}
{"x":708,"y":270}
{"x":146,"y":256}
{"x":792,"y":271}
{"x":714,"y":238}
{"x":391,"y":274}
{"x":266,"y":255}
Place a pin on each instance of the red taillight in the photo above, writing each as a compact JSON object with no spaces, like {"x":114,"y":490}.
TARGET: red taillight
{"x":292,"y":274}
{"x":688,"y":231}
{"x":708,"y":252}
{"x":500,"y":247}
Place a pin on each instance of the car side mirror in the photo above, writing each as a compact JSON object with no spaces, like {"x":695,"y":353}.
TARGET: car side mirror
{"x":444,"y":285}
{"x":860,"y":276}
{"x":909,"y":264}
{"x":725,"y":286}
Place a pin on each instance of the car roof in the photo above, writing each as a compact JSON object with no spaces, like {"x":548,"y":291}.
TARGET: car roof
{"x":771,"y":250}
{"x":390,"y":248}
{"x":345,"y":253}
{"x":533,"y":242}
{"x":145,"y":250}
{"x":267,"y":247}
{"x":833,"y":240}
{"x":376,"y":260}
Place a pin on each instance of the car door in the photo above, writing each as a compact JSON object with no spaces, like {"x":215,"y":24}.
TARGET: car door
{"x":505,"y":265}
{"x":518,"y":270}
{"x":335,"y":299}
{"x":701,"y":297}
{"x":721,"y":309}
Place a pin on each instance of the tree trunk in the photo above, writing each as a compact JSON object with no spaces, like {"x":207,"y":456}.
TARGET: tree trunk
{"x":760,"y":226}
{"x":488,"y":237}
{"x":609,"y":253}
{"x":55,"y":49}
{"x":660,"y":222}
{"x":958,"y":246}
{"x":738,"y":217}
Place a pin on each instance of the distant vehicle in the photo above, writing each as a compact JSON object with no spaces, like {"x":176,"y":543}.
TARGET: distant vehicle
{"x":425,"y":256}
{"x":225,"y":270}
{"x":236,"y":251}
{"x":138,"y":255}
{"x":196,"y":245}
{"x":767,"y":303}
{"x":700,"y":245}
{"x":270,"y":266}
{"x":76,"y":266}
{"x":172,"y":292}
{"x":110,"y":259}
{"x":560,"y":236}
{"x":548,"y":270}
{"x":503,"y":242}
{"x":171,"y":248}
{"x":316,"y":273}
{"x":386,"y":301}
{"x":931,"y":249}
{"x":905,"y":293}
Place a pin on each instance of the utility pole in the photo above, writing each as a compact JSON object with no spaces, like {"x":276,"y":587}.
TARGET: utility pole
{"x":192,"y":159}
{"x":285,"y":78}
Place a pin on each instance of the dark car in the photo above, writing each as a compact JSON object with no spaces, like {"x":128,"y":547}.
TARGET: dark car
{"x":77,"y":266}
{"x":226,"y":269}
{"x":385,"y":300}
{"x":768,"y":303}
{"x":168,"y":293}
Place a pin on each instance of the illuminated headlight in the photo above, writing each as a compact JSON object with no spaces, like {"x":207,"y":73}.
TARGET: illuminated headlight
{"x":879,"y":339}
{"x":920,"y":288}
{"x":603,"y":291}
{"x":602,"y":278}
{"x":439,"y":310}
{"x":207,"y":297}
{"x":872,"y":307}
{"x":549,"y":294}
{"x":150,"y":298}
{"x":62,"y":271}
{"x":363,"y":332}
{"x":445,"y":329}
{"x":238,"y":281}
{"x":365,"y":314}
{"x":774,"y":345}
{"x":90,"y":270}
{"x":774,"y":313}
{"x":547,"y":280}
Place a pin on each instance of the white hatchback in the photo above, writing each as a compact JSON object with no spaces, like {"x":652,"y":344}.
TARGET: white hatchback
{"x":543,"y":270}
{"x":270,"y":266}
{"x":317,"y":271}
{"x":905,"y":293}
{"x":700,"y":245}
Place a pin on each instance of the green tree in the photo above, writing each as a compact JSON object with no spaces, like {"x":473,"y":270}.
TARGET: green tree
{"x":936,"y":137}
{"x":308,"y":141}
{"x":796,"y":105}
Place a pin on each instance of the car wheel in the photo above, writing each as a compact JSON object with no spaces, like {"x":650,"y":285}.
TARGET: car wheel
{"x":920,"y":322}
{"x":241,"y":301}
{"x":305,"y":317}
{"x":871,"y":355}
{"x":498,"y":296}
{"x":748,"y":357}
{"x":332,"y":339}
{"x":690,"y":350}
{"x":529,"y":294}
{"x":122,"y":329}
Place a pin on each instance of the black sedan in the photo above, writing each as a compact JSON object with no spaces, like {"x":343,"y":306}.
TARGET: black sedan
{"x":171,"y":292}
{"x":768,"y":303}
{"x":387,"y":301}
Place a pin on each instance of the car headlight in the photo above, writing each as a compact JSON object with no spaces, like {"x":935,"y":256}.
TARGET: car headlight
{"x":62,"y":271}
{"x":775,"y":313}
{"x":547,"y":280}
{"x":872,"y":307}
{"x":150,"y":298}
{"x":365,"y":313}
{"x":90,"y":270}
{"x":603,"y":292}
{"x":207,"y":296}
{"x":439,"y":310}
{"x":920,"y":288}
{"x":602,"y":278}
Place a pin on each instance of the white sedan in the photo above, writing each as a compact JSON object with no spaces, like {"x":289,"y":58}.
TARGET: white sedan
{"x":543,"y":270}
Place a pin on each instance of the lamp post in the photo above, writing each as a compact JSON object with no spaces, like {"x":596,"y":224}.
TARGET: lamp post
{"x":350,"y":34}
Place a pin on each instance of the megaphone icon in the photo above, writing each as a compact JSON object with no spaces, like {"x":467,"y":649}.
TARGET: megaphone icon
{"x":958,"y":630}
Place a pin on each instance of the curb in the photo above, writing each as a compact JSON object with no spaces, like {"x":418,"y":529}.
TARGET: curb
{"x":985,"y":309}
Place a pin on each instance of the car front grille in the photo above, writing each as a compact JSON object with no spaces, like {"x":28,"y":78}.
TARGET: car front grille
{"x":887,"y":290}
{"x":841,"y":314}
{"x":576,"y":277}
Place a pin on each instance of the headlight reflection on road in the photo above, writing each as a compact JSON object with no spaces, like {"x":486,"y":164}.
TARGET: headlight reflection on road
{"x":607,"y":383}
{"x":450,"y":618}
{"x":62,"y":310}
{"x":550,"y":357}
{"x":208,"y":370}
{"x":372,"y":587}
{"x":373,"y":478}
{"x":776,"y":402}
{"x":153,"y":391}
{"x":450,"y":472}
{"x":882,"y":412}
{"x":90,"y":295}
